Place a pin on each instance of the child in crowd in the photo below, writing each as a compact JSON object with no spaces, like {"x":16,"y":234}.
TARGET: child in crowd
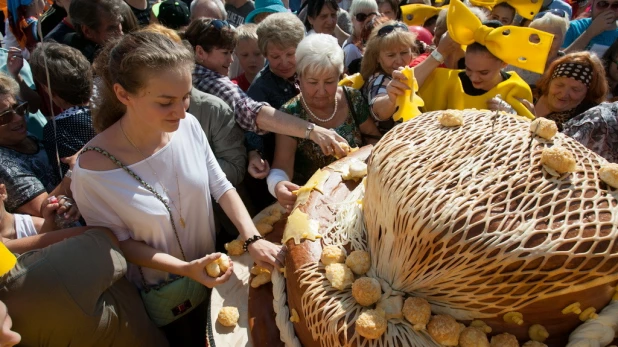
{"x":17,"y":226}
{"x":70,"y":77}
{"x":248,"y":54}
{"x":503,"y":12}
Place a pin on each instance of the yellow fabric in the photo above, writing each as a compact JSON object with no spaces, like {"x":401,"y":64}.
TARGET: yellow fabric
{"x":525,"y":8}
{"x":7,"y":260}
{"x":443,"y":91}
{"x":408,"y":104}
{"x":509,"y":43}
{"x":355,"y":81}
{"x":419,"y":13}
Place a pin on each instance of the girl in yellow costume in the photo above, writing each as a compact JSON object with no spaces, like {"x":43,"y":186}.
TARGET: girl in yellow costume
{"x":483,"y":84}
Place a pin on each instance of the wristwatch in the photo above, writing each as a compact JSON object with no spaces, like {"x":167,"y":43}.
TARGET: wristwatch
{"x":437,"y":56}
{"x":309,"y":129}
{"x":69,"y":173}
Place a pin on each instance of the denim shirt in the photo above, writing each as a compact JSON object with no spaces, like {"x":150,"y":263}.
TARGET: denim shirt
{"x":276,"y":91}
{"x":270,"y":88}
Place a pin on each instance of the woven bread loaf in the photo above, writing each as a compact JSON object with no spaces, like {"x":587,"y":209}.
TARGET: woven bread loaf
{"x":467,"y":218}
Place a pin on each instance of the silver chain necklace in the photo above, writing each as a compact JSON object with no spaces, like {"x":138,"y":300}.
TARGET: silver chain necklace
{"x":178,"y":209}
{"x":302,"y":99}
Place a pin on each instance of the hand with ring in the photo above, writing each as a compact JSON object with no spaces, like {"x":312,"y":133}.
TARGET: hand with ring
{"x":60,"y":206}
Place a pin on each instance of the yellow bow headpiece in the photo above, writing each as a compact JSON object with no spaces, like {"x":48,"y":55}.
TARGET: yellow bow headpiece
{"x":525,"y":8}
{"x":510,"y":44}
{"x":416,"y":14}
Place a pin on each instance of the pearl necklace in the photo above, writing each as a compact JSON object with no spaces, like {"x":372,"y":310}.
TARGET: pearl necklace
{"x":302,"y":99}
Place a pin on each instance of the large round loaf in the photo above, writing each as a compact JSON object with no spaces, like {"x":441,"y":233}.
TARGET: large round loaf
{"x":467,"y":218}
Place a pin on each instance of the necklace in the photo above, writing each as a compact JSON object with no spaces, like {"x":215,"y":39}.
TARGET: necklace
{"x":178,"y":209}
{"x":302,"y":99}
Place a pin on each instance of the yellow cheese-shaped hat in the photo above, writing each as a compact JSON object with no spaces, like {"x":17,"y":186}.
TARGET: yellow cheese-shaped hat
{"x":509,"y":43}
{"x":525,"y":8}
{"x":7,"y":260}
{"x":417,"y":14}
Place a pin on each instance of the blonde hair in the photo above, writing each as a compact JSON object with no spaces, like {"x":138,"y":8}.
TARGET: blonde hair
{"x":359,"y":6}
{"x":8,"y":86}
{"x":247,"y":32}
{"x":376,"y":44}
{"x":551,"y":21}
{"x":282,"y":29}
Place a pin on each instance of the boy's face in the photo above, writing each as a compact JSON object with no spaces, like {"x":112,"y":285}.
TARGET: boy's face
{"x":249,"y":56}
{"x":502,"y":14}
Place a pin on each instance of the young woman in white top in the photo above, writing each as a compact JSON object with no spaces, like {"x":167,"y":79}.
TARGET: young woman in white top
{"x":142,"y":122}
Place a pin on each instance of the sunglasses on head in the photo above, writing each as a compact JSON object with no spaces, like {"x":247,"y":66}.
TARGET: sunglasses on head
{"x":18,"y":109}
{"x":361,"y":17}
{"x":602,"y":5}
{"x":218,"y":24}
{"x":385,"y":30}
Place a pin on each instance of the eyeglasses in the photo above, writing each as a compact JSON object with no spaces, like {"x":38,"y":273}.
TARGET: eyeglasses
{"x":555,"y":11}
{"x":385,"y":30}
{"x":602,"y":5}
{"x":361,"y":17}
{"x":218,"y":24}
{"x":7,"y":116}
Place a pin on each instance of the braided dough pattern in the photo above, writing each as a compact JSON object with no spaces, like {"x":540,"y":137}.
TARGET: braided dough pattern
{"x":467,"y":218}
{"x":597,"y":332}
{"x":282,"y":312}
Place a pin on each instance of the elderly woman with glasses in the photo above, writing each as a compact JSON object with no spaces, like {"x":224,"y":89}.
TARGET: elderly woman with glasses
{"x":361,"y":12}
{"x":319,"y":64}
{"x":389,"y":47}
{"x":25,"y":169}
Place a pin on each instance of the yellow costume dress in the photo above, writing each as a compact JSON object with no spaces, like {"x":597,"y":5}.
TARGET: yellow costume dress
{"x":452,"y":89}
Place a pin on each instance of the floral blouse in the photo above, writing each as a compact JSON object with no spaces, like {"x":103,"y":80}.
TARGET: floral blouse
{"x":309,"y":157}
{"x":597,"y":129}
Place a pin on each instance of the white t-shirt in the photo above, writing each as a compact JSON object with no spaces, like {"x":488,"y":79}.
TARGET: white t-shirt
{"x":115,"y":200}
{"x":24,"y":226}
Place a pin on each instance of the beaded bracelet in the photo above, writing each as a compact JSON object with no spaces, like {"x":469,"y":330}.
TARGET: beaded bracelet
{"x":251,"y":240}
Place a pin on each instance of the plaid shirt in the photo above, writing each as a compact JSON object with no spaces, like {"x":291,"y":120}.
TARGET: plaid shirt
{"x":245,"y":109}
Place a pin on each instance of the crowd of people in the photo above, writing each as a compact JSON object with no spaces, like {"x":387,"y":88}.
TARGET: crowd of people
{"x":138,"y":137}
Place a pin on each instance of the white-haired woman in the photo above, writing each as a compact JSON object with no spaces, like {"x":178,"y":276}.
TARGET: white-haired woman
{"x":361,"y":12}
{"x":319,"y":64}
{"x":552,"y":24}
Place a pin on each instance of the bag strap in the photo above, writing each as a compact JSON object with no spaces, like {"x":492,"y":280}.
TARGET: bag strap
{"x":353,"y":109}
{"x":350,"y":105}
{"x":148,"y":187}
